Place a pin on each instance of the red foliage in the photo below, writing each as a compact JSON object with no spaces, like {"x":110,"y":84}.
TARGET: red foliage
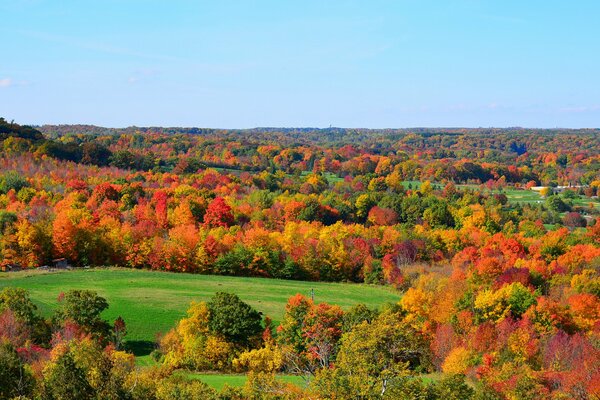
{"x":382,"y":216}
{"x":218,"y":213}
{"x":160,"y":208}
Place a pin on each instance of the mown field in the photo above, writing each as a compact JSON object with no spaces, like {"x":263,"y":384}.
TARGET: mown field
{"x":151,"y":302}
{"x":217,"y":381}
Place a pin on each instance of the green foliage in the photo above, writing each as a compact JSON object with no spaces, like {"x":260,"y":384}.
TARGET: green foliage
{"x":373,"y":355}
{"x":17,"y":300}
{"x":520,"y":299}
{"x":556,"y":204}
{"x":231,"y":317}
{"x":84,"y":308}
{"x":438,"y":214}
{"x":363,"y":204}
{"x":7,"y":218}
{"x":356,"y":315}
{"x":453,"y":387}
{"x":8,"y":130}
{"x":15,"y":378}
{"x":234,"y":262}
{"x":64,"y":379}
{"x":95,"y":153}
{"x":179,"y":388}
{"x":12,"y":180}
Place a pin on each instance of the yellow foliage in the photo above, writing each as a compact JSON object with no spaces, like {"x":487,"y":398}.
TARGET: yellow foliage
{"x":182,"y":215}
{"x":172,"y":349}
{"x":191,"y":344}
{"x":587,"y":281}
{"x":216,"y":352}
{"x":522,"y":345}
{"x":267,"y":359}
{"x":122,"y":362}
{"x":197,"y":321}
{"x":384,"y":166}
{"x":417,"y":302}
{"x":458,"y":361}
{"x":492,"y":304}
{"x":474,"y":216}
{"x":426,"y":188}
{"x":394,"y":181}
{"x":545,"y":192}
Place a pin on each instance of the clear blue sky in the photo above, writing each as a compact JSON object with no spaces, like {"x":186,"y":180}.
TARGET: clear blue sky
{"x":235,"y":64}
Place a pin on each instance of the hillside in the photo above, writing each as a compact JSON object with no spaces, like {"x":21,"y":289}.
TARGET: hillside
{"x":152,"y":302}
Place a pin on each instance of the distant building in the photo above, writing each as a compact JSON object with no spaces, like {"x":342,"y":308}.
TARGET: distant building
{"x":10,"y":267}
{"x":557,"y":189}
{"x":60,"y":263}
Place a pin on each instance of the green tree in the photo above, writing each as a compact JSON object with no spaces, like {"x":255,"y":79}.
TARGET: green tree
{"x":17,"y":300}
{"x":373,"y":356}
{"x":363,"y":205}
{"x":556,"y":204}
{"x":84,"y":308}
{"x":95,"y":153}
{"x":7,"y":218}
{"x":15,"y":379}
{"x":65,"y":380}
{"x":179,"y":388}
{"x":438,"y":214}
{"x":12,"y":180}
{"x":356,"y":315}
{"x":454,"y":387}
{"x":234,"y":319}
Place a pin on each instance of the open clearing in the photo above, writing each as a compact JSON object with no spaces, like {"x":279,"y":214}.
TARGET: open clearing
{"x":151,"y":302}
{"x":217,"y":381}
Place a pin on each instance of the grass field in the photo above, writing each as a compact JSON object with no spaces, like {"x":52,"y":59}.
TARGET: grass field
{"x":217,"y":381}
{"x":514,"y":195}
{"x":525,"y":196}
{"x":151,"y":302}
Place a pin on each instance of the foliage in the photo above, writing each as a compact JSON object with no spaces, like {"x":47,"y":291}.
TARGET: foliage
{"x":15,"y":378}
{"x":232,"y":318}
{"x":83,"y":307}
{"x":498,"y":281}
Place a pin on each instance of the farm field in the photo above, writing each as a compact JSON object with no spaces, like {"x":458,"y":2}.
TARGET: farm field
{"x":217,"y":381}
{"x":525,"y":196}
{"x":522,"y":196}
{"x":152,"y":302}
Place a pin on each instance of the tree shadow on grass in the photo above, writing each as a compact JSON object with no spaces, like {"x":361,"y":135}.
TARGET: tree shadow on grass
{"x":140,"y":347}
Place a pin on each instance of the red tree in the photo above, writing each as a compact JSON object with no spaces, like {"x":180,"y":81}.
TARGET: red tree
{"x":218,"y":213}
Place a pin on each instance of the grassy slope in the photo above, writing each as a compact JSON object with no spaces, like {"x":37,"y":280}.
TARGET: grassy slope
{"x":151,"y":302}
{"x":217,"y":381}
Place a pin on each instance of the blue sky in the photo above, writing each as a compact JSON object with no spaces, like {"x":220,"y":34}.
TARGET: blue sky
{"x":240,"y":64}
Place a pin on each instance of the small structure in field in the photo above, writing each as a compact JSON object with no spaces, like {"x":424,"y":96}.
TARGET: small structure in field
{"x":557,"y":189}
{"x":10,"y":267}
{"x":60,"y":263}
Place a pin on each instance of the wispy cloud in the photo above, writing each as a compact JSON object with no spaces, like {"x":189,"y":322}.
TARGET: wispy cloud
{"x":5,"y":82}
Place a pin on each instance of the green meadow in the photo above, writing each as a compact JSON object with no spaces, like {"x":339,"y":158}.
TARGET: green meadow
{"x":152,"y":302}
{"x":217,"y":381}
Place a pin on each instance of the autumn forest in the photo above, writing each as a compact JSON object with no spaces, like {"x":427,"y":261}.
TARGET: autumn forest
{"x":488,"y":238}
